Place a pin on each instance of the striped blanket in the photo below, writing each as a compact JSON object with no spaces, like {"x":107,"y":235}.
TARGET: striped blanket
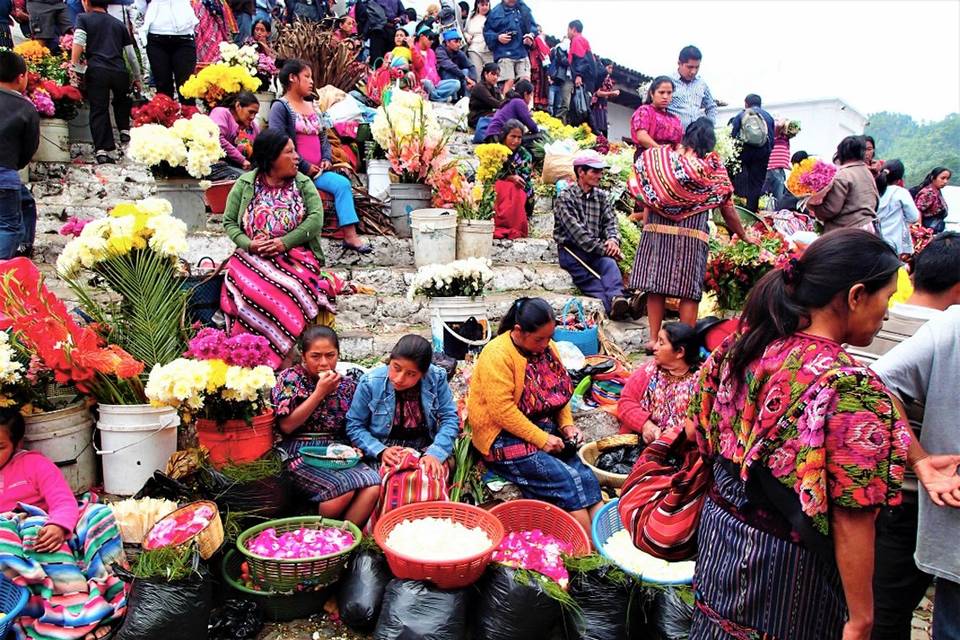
{"x":679,"y":185}
{"x":72,"y":590}
{"x":276,"y":297}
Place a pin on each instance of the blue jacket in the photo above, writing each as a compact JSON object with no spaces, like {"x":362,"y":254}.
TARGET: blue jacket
{"x":370,"y":417}
{"x":504,"y":19}
{"x":454,"y":66}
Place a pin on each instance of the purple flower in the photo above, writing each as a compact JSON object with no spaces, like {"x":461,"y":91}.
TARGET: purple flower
{"x":209,"y":344}
{"x":44,"y":104}
{"x":73,"y":227}
{"x":245,"y":350}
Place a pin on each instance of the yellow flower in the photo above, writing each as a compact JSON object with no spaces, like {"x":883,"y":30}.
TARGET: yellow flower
{"x":492,"y":157}
{"x":217,"y":376}
{"x":32,"y":50}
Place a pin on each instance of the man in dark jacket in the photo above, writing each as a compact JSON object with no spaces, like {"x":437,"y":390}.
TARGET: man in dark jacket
{"x":453,"y":64}
{"x":509,"y":31}
{"x":755,"y":129}
{"x":243,"y":13}
{"x":20,"y":131}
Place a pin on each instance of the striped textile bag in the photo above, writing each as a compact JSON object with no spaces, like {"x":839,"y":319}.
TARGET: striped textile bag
{"x":661,"y":499}
{"x":406,"y":483}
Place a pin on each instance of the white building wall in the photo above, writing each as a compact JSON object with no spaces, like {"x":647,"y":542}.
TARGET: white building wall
{"x":824,"y":123}
{"x":618,"y":121}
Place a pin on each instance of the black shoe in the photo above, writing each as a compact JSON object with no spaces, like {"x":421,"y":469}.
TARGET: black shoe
{"x":24,"y":251}
{"x":619,"y":308}
{"x":362,"y":249}
{"x":638,"y":306}
{"x":124,"y":137}
{"x":103,"y":158}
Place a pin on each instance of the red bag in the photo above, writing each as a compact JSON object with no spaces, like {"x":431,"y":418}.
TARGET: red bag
{"x":661,"y":499}
{"x":510,"y":213}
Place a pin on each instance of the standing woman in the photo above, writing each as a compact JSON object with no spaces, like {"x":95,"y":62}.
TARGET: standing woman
{"x":477,"y":50}
{"x":896,"y":211}
{"x":215,"y":24}
{"x":519,"y":408}
{"x":311,"y":401}
{"x":679,"y":189}
{"x":804,"y":445}
{"x":171,"y":46}
{"x":306,"y":126}
{"x":238,"y":129}
{"x":598,"y":104}
{"x":930,"y":201}
{"x":652,"y":125}
{"x":851,"y":199}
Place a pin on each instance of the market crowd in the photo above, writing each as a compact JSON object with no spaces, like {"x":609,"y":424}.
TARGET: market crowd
{"x":823,"y":419}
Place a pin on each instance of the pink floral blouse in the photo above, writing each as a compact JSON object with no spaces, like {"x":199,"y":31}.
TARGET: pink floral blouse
{"x":823,"y":426}
{"x":663,"y":127}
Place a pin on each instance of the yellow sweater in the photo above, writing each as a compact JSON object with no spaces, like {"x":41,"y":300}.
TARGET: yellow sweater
{"x":495,"y":389}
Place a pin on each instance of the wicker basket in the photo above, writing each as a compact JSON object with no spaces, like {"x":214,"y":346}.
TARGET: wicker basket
{"x":448,"y":574}
{"x":619,"y":440}
{"x":526,"y":515}
{"x":588,"y":455}
{"x":281,"y":574}
{"x":12,"y":601}
{"x":276,"y":607}
{"x":208,"y":539}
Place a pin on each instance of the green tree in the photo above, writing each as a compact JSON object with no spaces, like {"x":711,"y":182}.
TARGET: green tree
{"x":920,"y":146}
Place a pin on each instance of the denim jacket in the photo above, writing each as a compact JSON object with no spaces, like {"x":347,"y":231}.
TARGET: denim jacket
{"x":370,"y":417}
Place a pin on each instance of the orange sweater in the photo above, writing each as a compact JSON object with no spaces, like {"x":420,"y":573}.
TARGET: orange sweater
{"x":495,"y":390}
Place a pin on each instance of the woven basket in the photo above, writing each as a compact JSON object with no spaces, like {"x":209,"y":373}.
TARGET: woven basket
{"x":276,"y":607}
{"x":12,"y":601}
{"x":208,"y":539}
{"x":588,"y":455}
{"x":620,"y":440}
{"x":527,"y":515}
{"x":281,"y":574}
{"x":449,"y":574}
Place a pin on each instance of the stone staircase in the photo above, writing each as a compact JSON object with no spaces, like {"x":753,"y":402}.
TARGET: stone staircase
{"x":369,"y":322}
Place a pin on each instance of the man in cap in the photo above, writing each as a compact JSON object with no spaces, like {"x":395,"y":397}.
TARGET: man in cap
{"x":588,"y":236}
{"x":453,"y":64}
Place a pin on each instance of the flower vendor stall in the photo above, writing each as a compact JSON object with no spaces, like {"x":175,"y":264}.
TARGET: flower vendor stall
{"x":734,"y":266}
{"x":49,"y":90}
{"x":475,"y":203}
{"x":216,"y":81}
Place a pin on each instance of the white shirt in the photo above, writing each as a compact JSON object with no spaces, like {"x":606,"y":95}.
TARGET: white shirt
{"x":895,"y":213}
{"x":475,"y":35}
{"x":167,"y":17}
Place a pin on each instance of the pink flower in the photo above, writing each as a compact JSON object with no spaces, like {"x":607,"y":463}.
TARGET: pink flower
{"x":209,"y":344}
{"x":783,"y":461}
{"x":44,"y":104}
{"x":245,"y":350}
{"x":810,"y":425}
{"x":73,"y":226}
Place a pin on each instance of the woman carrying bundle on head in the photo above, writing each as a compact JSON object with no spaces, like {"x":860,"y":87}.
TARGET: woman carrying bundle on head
{"x":519,"y":408}
{"x":310,"y":401}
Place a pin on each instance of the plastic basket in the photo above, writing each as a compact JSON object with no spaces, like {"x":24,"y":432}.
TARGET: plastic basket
{"x":286,"y":574}
{"x":276,"y":607}
{"x":12,"y":601}
{"x":449,"y":574}
{"x":316,"y":456}
{"x":526,"y":515}
{"x":588,"y":454}
{"x":606,"y":523}
{"x":208,"y":539}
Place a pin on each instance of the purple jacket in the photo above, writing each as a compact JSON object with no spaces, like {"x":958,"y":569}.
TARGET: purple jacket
{"x":515,"y":109}
{"x":228,"y":134}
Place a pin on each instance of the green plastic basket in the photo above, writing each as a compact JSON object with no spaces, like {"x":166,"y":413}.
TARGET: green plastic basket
{"x":287,"y":574}
{"x":315,"y":456}
{"x":276,"y":607}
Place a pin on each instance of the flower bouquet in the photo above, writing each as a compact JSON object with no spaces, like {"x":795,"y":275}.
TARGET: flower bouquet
{"x":555,"y":130}
{"x":162,"y":110}
{"x":728,"y":148}
{"x":48,"y":85}
{"x":133,"y":254}
{"x":76,"y":355}
{"x":810,"y":176}
{"x":468,"y":277}
{"x":479,"y":200}
{"x":192,"y":144}
{"x":11,"y":372}
{"x":216,"y":81}
{"x":734,"y":267}
{"x":44,"y":64}
{"x":246,"y":57}
{"x":408,"y":130}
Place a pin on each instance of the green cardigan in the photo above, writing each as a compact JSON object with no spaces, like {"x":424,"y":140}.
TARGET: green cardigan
{"x":307,"y":233}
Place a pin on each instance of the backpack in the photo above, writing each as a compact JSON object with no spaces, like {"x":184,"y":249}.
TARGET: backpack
{"x":371,"y":17}
{"x":753,"y":129}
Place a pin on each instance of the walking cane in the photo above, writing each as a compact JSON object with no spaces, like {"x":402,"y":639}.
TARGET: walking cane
{"x":582,"y":263}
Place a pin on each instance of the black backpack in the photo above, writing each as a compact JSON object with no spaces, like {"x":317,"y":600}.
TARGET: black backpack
{"x":371,"y":17}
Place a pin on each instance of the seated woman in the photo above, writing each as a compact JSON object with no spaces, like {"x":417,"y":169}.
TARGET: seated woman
{"x":514,"y":107}
{"x":519,"y":407}
{"x":403,"y":415}
{"x":306,"y":126}
{"x":260,"y":38}
{"x":311,"y":401}
{"x":514,"y":202}
{"x":274,"y":285}
{"x":485,"y":99}
{"x":62,"y":552}
{"x":238,"y":129}
{"x":656,"y":397}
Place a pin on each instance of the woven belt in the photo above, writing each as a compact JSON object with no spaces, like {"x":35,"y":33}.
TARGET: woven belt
{"x":510,"y":452}
{"x":677,"y":231}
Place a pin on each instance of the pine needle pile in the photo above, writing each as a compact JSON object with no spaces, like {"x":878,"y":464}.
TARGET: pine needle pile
{"x":332,"y":62}
{"x":168,"y":563}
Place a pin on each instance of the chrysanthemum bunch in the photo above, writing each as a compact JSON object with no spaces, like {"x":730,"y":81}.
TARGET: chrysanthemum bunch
{"x":810,"y":176}
{"x":246,"y":57}
{"x":468,"y":277}
{"x":557,"y":130}
{"x":220,"y":378}
{"x":215,"y":81}
{"x":192,"y":143}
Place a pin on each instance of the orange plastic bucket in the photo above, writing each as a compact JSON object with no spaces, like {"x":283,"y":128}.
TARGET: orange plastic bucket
{"x":235,"y":441}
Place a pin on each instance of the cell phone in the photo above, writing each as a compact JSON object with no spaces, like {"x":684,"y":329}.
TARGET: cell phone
{"x":512,"y":34}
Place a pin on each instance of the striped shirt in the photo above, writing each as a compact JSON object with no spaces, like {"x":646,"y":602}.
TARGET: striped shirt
{"x":691,"y":100}
{"x":780,"y":156}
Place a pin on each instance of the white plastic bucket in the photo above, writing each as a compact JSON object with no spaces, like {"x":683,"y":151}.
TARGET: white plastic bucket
{"x":404,"y":200}
{"x":265,"y":98}
{"x":186,"y":196}
{"x":434,"y":236}
{"x":65,"y":436}
{"x":378,"y":178}
{"x":474,"y":239}
{"x":452,"y":309}
{"x":54,"y":141}
{"x":135,"y":441}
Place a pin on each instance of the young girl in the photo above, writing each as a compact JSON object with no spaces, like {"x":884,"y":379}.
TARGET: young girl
{"x":61,"y":551}
{"x":311,"y":401}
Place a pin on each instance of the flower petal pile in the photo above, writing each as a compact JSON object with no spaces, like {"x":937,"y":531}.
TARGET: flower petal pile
{"x":300,"y":544}
{"x":179,"y":528}
{"x":449,"y":540}
{"x":536,"y":551}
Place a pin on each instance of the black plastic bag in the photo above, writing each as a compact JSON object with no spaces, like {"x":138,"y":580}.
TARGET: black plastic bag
{"x":162,"y":486}
{"x":414,"y":610}
{"x":361,"y":589}
{"x":268,"y":497}
{"x":158,"y":610}
{"x":604,"y":601}
{"x":507,"y":609}
{"x":236,"y":620}
{"x":579,"y":107}
{"x":672,"y":616}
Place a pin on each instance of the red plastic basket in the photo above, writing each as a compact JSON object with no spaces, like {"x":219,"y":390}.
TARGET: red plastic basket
{"x":216,"y":195}
{"x":526,"y":515}
{"x":451,"y":574}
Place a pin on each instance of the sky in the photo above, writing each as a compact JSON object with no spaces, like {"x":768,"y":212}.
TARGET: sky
{"x":876,"y":55}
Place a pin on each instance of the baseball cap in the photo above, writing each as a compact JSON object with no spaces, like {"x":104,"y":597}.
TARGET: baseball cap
{"x":590,"y":158}
{"x":451,"y":34}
